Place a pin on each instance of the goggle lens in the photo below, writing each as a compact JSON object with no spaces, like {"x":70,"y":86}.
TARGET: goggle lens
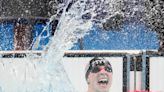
{"x":97,"y":69}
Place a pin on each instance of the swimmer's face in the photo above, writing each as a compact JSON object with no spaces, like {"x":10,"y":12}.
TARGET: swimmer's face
{"x":100,"y":79}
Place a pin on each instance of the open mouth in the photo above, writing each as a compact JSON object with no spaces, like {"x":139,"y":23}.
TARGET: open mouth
{"x":103,"y":81}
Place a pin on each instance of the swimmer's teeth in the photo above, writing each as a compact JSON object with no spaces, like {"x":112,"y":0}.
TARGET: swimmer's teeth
{"x":103,"y":81}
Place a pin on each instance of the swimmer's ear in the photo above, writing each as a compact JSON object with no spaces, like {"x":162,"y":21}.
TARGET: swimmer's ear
{"x":88,"y":81}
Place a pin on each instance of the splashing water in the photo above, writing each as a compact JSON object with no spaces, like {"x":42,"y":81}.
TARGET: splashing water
{"x":75,"y":22}
{"x":76,"y":18}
